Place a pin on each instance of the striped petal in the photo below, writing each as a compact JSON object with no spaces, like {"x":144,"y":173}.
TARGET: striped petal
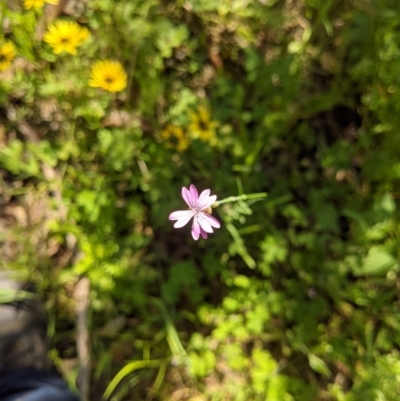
{"x":204,"y":223}
{"x":212,"y":220}
{"x":203,"y":198}
{"x":207,"y":202}
{"x":203,"y":233}
{"x":187,"y":197}
{"x":194,"y":195}
{"x":195,"y":229}
{"x":182,"y":217}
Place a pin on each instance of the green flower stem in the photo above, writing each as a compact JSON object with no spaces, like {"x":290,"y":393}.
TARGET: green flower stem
{"x":244,"y":197}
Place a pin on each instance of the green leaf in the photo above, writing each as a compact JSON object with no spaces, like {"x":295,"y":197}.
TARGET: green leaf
{"x":378,"y":261}
{"x":9,"y":295}
{"x":318,"y":365}
{"x":127,"y":370}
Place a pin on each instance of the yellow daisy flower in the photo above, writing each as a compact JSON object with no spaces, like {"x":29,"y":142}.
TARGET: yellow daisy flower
{"x":201,"y":126}
{"x":28,"y":4}
{"x":65,"y":36}
{"x":7,"y":55}
{"x":175,"y":138}
{"x":108,"y":75}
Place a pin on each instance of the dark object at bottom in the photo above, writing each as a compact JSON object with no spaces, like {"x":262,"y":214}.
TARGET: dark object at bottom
{"x":25,"y":370}
{"x":23,"y":324}
{"x":34,"y":385}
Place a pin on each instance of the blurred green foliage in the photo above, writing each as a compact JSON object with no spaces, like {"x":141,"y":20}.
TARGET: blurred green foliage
{"x":296,"y":296}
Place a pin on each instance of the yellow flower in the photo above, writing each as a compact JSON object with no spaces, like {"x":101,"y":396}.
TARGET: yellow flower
{"x":7,"y":55}
{"x":201,"y":126}
{"x":108,"y":75}
{"x":37,"y":3}
{"x":175,"y":138}
{"x":65,"y":36}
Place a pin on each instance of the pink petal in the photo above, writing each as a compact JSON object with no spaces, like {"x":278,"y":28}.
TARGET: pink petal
{"x":204,"y":223}
{"x":194,"y":195}
{"x":203,"y":198}
{"x":203,"y":233}
{"x":177,"y":215}
{"x":207,"y":202}
{"x":187,"y":197}
{"x":182,"y":217}
{"x":212,"y":220}
{"x":195,"y":229}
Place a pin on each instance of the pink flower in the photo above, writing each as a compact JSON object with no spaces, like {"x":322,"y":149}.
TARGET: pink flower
{"x":202,"y":221}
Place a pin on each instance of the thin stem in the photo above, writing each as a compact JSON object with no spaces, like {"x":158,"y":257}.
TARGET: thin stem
{"x":243,"y":197}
